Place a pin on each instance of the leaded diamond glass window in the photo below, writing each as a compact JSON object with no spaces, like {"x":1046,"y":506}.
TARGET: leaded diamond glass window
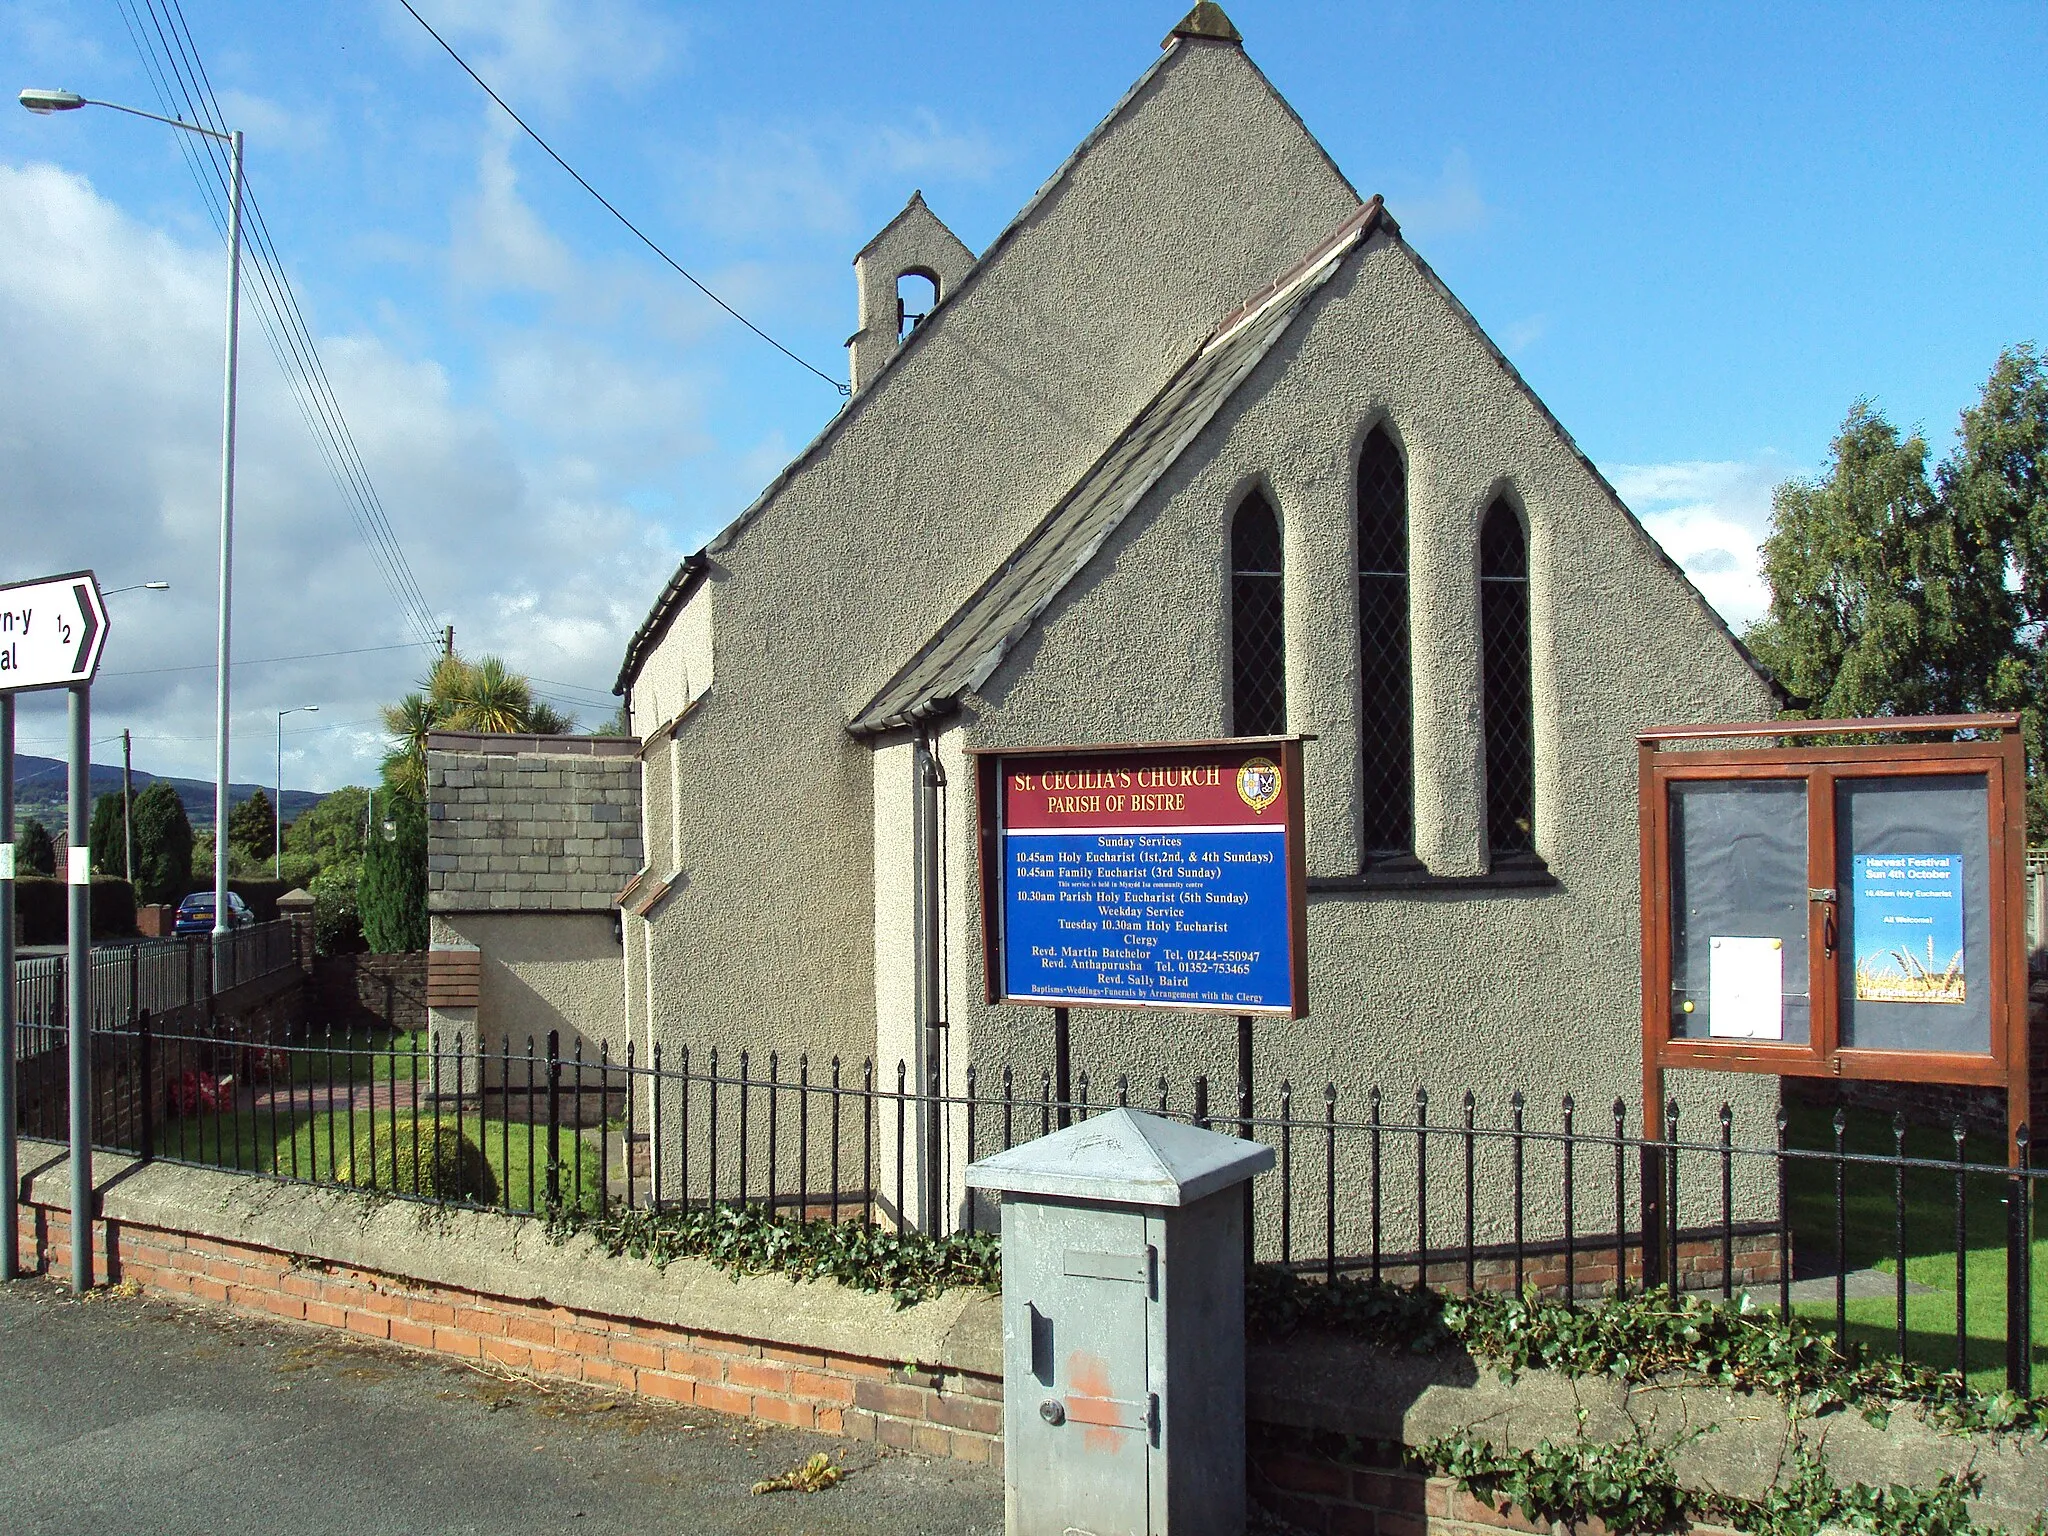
{"x":1386,"y":721}
{"x":1509,"y":702}
{"x":1258,"y":640}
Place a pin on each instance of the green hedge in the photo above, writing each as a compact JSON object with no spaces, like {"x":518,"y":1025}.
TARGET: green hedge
{"x":45,"y":909}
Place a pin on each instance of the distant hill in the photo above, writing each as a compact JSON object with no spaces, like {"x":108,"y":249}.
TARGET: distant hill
{"x":40,"y":783}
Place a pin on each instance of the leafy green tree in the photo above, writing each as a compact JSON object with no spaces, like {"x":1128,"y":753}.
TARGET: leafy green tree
{"x":1897,"y":592}
{"x":332,"y":831}
{"x":163,"y":845}
{"x":392,"y":890}
{"x":34,"y":848}
{"x":337,"y":922}
{"x":252,"y":827}
{"x":461,"y":695}
{"x":107,"y":837}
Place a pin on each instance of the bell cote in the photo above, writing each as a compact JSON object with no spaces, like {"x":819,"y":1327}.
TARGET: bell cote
{"x":901,"y":275}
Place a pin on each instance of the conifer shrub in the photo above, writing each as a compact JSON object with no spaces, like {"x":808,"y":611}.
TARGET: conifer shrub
{"x":392,"y":892}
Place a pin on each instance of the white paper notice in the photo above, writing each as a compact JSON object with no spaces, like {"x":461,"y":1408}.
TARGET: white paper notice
{"x":1746,"y":989}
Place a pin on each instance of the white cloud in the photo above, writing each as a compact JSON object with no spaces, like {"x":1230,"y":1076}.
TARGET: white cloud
{"x":770,"y":179}
{"x":927,"y":145}
{"x":111,"y":460}
{"x":499,"y":243}
{"x":1710,"y":516}
{"x":545,"y":54}
{"x":278,"y":128}
{"x":1453,"y":205}
{"x":1526,"y":332}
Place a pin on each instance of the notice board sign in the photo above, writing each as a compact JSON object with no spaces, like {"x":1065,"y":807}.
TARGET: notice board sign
{"x":1849,"y":908}
{"x":1169,"y":876}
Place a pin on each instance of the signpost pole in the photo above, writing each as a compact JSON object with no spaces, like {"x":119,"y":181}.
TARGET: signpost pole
{"x":78,"y":988}
{"x":1062,"y":1069}
{"x":9,"y":1186}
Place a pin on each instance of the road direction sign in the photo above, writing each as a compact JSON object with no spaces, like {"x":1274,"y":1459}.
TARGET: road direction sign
{"x":51,"y":632}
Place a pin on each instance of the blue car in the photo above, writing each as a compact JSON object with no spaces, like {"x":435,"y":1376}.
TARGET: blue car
{"x":195,"y":913}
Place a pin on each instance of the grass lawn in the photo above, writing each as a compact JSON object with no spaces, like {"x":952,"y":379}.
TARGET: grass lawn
{"x":337,"y":1148}
{"x":1929,"y":1245}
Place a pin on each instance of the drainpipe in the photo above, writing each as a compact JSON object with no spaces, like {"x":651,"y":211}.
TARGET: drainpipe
{"x":928,"y":832}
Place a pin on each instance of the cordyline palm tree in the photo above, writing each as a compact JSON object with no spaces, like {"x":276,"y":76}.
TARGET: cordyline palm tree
{"x":460,"y":695}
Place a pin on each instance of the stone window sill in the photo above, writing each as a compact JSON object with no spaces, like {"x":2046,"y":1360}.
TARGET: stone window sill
{"x":1408,"y":877}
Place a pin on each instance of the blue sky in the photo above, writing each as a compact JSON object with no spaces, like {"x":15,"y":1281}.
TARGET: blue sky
{"x":1699,"y":232}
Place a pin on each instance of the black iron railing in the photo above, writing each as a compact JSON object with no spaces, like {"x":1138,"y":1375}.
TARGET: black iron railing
{"x":1867,"y":1220}
{"x":153,"y":976}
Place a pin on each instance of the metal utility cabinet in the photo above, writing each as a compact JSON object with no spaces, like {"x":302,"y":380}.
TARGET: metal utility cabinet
{"x":1123,"y":1328}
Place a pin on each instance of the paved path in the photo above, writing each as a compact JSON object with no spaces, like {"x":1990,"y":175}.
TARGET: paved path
{"x":135,"y":1417}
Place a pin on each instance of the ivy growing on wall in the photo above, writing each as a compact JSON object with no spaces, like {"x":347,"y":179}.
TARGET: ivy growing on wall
{"x":1639,"y":1338}
{"x":751,"y":1240}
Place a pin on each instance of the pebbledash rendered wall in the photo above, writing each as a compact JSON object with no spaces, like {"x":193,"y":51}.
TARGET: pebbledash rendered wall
{"x":1200,"y":188}
{"x":1456,"y":982}
{"x":529,"y":840}
{"x":790,"y":840}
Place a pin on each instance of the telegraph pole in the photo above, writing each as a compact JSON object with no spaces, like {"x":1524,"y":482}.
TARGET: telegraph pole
{"x":128,"y":811}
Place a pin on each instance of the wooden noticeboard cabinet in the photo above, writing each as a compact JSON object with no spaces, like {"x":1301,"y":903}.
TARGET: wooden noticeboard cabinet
{"x":1845,"y":908}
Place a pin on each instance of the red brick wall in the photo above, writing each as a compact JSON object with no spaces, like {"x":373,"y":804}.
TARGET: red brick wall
{"x":1754,"y":1249}
{"x":955,"y":1414}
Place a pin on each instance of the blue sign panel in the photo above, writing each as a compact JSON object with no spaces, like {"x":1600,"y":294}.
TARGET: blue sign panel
{"x":1150,"y":878}
{"x":1908,"y":926}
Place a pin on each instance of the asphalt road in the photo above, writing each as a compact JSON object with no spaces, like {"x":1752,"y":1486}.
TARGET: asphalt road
{"x":130,"y":1417}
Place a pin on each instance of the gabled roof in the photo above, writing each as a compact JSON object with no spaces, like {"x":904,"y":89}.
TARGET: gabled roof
{"x":1197,"y":29}
{"x":974,"y":641}
{"x":655,"y":625}
{"x":916,"y":202}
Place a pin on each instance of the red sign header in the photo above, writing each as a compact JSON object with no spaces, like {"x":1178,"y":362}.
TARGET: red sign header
{"x":1230,"y":787}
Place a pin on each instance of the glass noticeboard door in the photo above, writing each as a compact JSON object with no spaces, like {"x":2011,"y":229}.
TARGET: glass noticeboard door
{"x":1913,"y":867}
{"x":1739,"y":961}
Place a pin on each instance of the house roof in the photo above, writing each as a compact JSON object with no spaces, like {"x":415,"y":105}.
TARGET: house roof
{"x":973,"y":642}
{"x":655,"y":625}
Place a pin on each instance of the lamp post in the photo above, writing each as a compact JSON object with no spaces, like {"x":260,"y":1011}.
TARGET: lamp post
{"x":44,"y":103}
{"x":277,"y":806}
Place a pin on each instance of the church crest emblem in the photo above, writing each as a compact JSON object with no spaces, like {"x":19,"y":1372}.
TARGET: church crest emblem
{"x":1258,"y":783}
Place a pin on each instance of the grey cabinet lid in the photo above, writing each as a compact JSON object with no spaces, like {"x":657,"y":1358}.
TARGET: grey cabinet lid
{"x":1124,"y":1157}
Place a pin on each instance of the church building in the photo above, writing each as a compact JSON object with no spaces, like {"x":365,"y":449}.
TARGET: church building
{"x":1198,"y":447}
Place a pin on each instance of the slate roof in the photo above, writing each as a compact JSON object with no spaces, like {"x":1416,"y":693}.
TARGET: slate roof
{"x":530,"y":824}
{"x":973,"y":642}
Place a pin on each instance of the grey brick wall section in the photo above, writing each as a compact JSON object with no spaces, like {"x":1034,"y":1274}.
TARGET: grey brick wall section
{"x":530,"y":831}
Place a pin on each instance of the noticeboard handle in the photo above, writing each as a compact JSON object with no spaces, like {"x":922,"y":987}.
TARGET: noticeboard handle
{"x":1825,"y":895}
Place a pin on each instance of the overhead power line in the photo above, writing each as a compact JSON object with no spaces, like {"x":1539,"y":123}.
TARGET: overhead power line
{"x":260,"y":661}
{"x":637,"y":232}
{"x":170,"y":56}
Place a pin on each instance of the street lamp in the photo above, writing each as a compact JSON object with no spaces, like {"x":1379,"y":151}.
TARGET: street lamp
{"x":44,"y":103}
{"x":277,"y":807}
{"x":140,"y":586}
